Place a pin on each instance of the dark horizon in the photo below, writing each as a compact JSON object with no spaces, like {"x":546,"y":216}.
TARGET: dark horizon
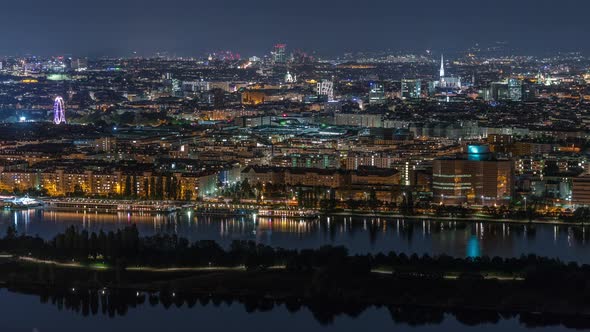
{"x":329,"y":27}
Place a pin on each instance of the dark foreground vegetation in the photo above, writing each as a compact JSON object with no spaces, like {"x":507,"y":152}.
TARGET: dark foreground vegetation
{"x":327,"y":280}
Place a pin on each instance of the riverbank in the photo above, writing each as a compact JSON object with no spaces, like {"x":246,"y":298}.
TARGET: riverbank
{"x":252,"y":210}
{"x":166,"y":264}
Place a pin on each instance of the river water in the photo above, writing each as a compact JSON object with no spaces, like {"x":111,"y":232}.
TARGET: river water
{"x":358,"y":234}
{"x":361,"y":235}
{"x":26,"y":313}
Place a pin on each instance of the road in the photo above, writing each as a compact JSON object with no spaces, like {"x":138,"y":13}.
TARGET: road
{"x":454,"y":276}
{"x":448,"y":276}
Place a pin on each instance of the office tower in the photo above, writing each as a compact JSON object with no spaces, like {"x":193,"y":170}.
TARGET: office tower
{"x":475,"y":178}
{"x":514,"y":89}
{"x":76,"y":64}
{"x":497,"y":91}
{"x":196,"y":86}
{"x":326,"y":88}
{"x":376,"y":93}
{"x":581,"y":190}
{"x":279,"y":53}
{"x":411,"y":89}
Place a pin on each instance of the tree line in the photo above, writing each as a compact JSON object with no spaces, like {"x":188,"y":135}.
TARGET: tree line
{"x":125,"y":247}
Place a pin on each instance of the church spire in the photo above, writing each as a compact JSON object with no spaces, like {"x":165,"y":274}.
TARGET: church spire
{"x":442,"y":67}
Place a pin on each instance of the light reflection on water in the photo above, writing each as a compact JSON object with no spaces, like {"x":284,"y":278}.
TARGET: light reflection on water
{"x":359,"y":234}
{"x":213,"y":316}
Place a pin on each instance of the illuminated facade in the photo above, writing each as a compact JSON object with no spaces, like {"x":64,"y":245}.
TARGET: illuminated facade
{"x":514,"y":89}
{"x":279,"y":53}
{"x":478,"y":178}
{"x":326,"y":88}
{"x":411,"y":89}
{"x":581,"y":190}
{"x":253,"y":97}
{"x":59,"y":182}
{"x":376,"y":93}
{"x":446,"y":83}
{"x":290,"y":78}
{"x":312,"y":177}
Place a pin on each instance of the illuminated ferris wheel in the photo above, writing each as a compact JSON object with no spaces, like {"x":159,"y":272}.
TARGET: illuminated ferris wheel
{"x":59,"y":111}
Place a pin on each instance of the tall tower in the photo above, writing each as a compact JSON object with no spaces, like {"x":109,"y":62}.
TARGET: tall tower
{"x":442,"y":67}
{"x":279,"y":54}
{"x":59,"y":111}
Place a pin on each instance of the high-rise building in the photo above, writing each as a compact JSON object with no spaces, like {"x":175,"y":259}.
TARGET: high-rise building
{"x":76,"y":64}
{"x":581,"y":190}
{"x":497,"y":91}
{"x":475,"y":178}
{"x":376,"y":93}
{"x":326,"y":88}
{"x":411,"y":89}
{"x":279,"y":53}
{"x":177,"y":87}
{"x":195,"y":86}
{"x":529,"y":92}
{"x":514,"y":89}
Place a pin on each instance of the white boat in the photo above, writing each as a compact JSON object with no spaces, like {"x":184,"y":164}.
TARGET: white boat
{"x":22,"y":202}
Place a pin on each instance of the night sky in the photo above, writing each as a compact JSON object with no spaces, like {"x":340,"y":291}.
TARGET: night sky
{"x":192,"y":27}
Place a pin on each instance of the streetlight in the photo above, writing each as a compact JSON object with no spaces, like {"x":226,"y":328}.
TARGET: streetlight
{"x":525,"y":203}
{"x":442,"y":199}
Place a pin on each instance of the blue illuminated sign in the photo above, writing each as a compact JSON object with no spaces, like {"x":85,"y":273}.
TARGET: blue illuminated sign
{"x":477,"y":149}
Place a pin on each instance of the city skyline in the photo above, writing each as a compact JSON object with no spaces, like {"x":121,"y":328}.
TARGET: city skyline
{"x":304,"y":165}
{"x":188,"y":28}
